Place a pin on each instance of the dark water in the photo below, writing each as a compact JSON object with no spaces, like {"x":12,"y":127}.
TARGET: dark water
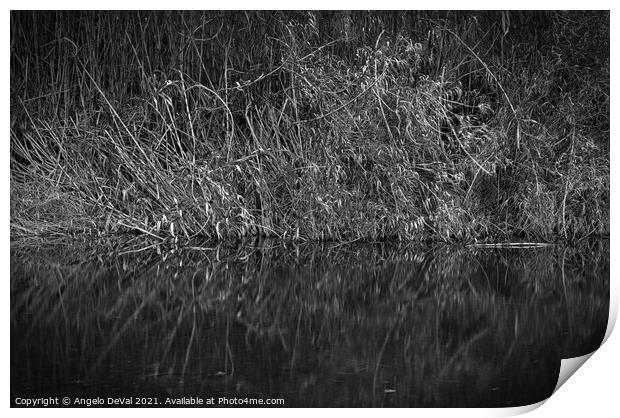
{"x":315,"y":325}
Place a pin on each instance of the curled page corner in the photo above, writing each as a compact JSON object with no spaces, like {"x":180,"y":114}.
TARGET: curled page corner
{"x":516,"y":410}
{"x":613,"y":313}
{"x":570,"y":366}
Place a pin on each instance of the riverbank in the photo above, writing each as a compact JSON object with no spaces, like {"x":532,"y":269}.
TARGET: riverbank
{"x":311,"y":125}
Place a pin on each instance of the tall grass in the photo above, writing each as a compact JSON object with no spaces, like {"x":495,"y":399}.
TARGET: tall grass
{"x":311,"y":125}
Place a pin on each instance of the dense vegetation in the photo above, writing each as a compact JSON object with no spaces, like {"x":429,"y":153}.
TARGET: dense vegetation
{"x":311,"y":125}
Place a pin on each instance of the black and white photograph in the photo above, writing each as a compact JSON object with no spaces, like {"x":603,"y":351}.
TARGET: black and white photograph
{"x":306,"y":208}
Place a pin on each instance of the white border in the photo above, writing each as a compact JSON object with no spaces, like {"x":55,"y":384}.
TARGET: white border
{"x":314,"y":5}
{"x":593,"y":391}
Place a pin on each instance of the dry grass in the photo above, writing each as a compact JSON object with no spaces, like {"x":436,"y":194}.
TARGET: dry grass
{"x":234,"y":124}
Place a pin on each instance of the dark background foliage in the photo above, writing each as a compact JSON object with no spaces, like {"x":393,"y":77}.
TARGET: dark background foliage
{"x":311,"y":124}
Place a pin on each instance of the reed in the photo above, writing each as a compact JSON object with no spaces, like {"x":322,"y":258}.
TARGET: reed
{"x":311,"y":125}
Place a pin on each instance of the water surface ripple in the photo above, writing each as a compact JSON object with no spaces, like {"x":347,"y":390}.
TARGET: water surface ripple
{"x":314,"y":324}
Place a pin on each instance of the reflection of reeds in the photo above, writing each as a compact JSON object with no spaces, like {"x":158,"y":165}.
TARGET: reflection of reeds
{"x":356,"y":325}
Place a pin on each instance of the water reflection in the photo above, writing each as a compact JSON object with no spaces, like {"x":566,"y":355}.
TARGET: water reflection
{"x":317,"y":325}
